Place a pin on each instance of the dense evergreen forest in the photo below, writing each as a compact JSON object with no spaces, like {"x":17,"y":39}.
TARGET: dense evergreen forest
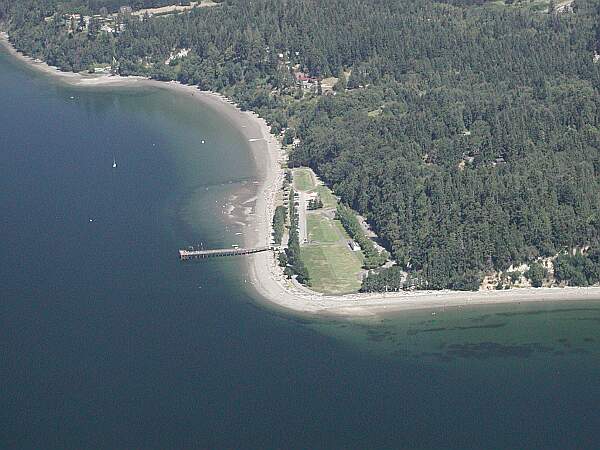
{"x":466,"y":132}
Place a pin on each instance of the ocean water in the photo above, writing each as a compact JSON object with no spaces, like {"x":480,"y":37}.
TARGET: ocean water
{"x":108,"y":341}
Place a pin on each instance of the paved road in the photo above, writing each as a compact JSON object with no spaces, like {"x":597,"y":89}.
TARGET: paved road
{"x":302,"y":228}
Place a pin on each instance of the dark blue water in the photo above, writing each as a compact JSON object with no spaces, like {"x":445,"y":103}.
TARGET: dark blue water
{"x":107,"y":341}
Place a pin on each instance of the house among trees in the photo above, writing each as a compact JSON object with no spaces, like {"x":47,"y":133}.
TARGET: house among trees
{"x":306,"y":82}
{"x":106,"y":23}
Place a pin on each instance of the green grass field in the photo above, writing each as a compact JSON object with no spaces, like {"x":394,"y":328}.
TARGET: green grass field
{"x":333,"y":268}
{"x":303,"y":180}
{"x":321,"y":229}
{"x":329,"y":200}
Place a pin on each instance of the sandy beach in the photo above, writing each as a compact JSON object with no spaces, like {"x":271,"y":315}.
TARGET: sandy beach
{"x":265,"y":275}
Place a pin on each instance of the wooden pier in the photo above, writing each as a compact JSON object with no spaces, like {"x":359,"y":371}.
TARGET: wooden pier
{"x":188,"y":255}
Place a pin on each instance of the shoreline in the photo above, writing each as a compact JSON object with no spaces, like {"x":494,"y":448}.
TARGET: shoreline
{"x":253,"y":128}
{"x":265,"y":274}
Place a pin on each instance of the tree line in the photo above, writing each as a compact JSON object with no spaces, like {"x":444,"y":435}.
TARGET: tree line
{"x":373,"y":257}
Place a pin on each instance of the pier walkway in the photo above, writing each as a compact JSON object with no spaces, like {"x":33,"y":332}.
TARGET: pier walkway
{"x":188,"y":255}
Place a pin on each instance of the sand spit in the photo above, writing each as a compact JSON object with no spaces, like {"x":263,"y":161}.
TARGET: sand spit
{"x":264,"y":273}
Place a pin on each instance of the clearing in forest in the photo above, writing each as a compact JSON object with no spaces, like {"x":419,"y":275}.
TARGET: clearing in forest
{"x":303,"y":180}
{"x":541,"y":6}
{"x":333,"y":269}
{"x":174,"y":9}
{"x":332,"y":266}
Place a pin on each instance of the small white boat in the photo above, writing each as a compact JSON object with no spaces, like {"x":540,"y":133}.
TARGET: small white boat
{"x":114,"y":163}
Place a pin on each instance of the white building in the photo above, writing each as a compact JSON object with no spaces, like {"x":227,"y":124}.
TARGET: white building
{"x":354,"y":246}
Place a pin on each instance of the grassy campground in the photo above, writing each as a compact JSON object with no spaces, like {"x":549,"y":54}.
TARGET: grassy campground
{"x":303,"y":180}
{"x":333,"y":268}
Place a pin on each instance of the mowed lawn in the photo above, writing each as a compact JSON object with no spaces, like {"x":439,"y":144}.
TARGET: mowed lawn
{"x":321,"y":229}
{"x":329,"y":200}
{"x":303,"y":180}
{"x":333,"y":268}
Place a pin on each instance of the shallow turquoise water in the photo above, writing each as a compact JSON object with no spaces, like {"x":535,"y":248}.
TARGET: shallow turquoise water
{"x":107,"y":341}
{"x":454,"y":335}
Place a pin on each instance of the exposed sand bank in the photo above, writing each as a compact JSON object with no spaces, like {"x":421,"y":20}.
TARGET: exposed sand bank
{"x":266,"y":277}
{"x":285,"y":294}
